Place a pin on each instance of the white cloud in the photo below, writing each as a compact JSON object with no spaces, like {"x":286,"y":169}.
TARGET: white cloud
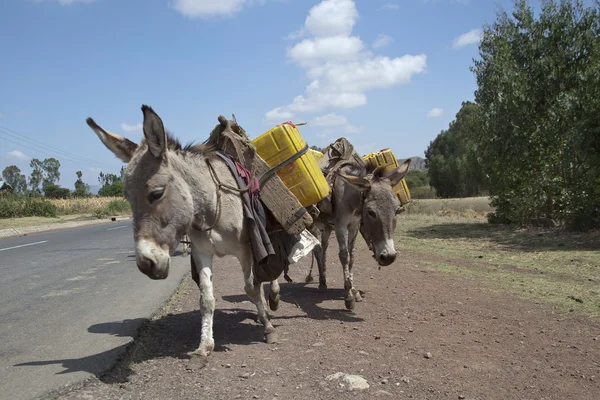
{"x":18,"y":155}
{"x":331,"y":18}
{"x":471,"y":37}
{"x":435,"y":113}
{"x":382,"y":41}
{"x":278,"y":115}
{"x":389,"y":7}
{"x":211,"y":8}
{"x":132,"y":128}
{"x":337,"y":65}
{"x":69,"y":2}
{"x":335,"y":120}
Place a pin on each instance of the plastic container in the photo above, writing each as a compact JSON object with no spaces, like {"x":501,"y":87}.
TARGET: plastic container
{"x":303,"y":177}
{"x":317,"y":154}
{"x":386,"y":158}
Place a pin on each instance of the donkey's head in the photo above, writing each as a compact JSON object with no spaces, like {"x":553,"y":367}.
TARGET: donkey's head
{"x":160,"y":198}
{"x":380,"y":209}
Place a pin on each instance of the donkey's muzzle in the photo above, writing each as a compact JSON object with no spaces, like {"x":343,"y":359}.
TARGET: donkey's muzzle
{"x":152,"y":261}
{"x":386,"y":258}
{"x":150,"y":268}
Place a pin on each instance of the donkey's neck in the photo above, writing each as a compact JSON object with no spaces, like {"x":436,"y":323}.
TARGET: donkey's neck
{"x":193,"y":169}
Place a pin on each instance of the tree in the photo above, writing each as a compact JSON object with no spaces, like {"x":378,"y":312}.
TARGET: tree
{"x":37,"y":175}
{"x":538,"y":91}
{"x":53,"y":191}
{"x":111,"y":184}
{"x":451,"y":158}
{"x":82,"y":189}
{"x":13,"y":176}
{"x":51,"y":168}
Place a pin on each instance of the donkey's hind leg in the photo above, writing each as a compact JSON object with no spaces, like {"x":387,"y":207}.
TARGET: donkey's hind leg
{"x":274,"y":290}
{"x":256,"y":294}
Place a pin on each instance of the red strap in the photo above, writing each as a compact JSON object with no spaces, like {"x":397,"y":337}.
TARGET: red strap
{"x":288,"y":123}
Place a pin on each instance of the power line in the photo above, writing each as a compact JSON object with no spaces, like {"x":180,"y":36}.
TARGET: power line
{"x":50,"y":154}
{"x":46,"y":147}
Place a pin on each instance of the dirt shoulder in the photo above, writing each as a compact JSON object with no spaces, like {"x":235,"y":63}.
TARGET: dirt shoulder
{"x":482,"y":343}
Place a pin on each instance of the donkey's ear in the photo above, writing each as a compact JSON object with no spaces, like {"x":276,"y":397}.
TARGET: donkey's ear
{"x":396,"y":174}
{"x":155,"y":132}
{"x":361,"y":184}
{"x":121,"y":147}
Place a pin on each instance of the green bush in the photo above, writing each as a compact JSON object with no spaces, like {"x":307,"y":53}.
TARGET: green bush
{"x":118,"y":206}
{"x":26,"y":207}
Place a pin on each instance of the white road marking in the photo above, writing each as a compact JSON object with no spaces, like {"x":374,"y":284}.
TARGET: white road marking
{"x":23,"y":245}
{"x":118,"y":227}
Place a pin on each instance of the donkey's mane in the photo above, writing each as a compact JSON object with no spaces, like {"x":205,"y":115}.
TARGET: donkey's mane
{"x":174,"y":144}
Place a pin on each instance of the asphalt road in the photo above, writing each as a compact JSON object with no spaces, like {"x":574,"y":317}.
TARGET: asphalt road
{"x":70,"y":302}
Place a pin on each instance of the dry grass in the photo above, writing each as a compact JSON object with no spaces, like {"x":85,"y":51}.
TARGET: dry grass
{"x":82,"y":205}
{"x":472,"y":207}
{"x":6,"y":223}
{"x":550,"y":265}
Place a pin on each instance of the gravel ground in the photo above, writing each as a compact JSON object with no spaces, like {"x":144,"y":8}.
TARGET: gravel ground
{"x":417,"y":335}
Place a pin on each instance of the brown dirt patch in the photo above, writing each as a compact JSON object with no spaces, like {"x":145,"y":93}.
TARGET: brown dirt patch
{"x":484,"y":344}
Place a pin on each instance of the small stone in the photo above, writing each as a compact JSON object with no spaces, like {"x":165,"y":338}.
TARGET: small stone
{"x":227,"y":365}
{"x":255,"y":396}
{"x":405,"y":379}
{"x":349,"y":382}
{"x":318,"y":344}
{"x":381,"y":393}
{"x":428,"y":355}
{"x":384,"y":381}
{"x":461,"y":397}
{"x":364,"y":353}
{"x":243,"y":365}
{"x":245,"y":375}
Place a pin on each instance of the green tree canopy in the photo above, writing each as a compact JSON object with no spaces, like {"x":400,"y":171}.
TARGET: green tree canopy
{"x":13,"y":176}
{"x":452,"y":160}
{"x":538,"y":93}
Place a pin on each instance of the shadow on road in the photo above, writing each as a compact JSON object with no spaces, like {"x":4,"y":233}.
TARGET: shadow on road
{"x":173,"y":335}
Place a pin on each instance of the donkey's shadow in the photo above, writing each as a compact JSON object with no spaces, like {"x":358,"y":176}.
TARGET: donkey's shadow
{"x":174,"y":335}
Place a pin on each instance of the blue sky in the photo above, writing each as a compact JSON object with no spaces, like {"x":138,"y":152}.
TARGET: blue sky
{"x":383,"y":73}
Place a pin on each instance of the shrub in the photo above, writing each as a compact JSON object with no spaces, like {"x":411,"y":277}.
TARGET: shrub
{"x":26,"y":207}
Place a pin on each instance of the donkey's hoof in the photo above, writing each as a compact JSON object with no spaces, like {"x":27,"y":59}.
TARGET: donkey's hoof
{"x":309,"y":279}
{"x":322,"y":287}
{"x":357,"y":295}
{"x":350,"y":303}
{"x":274,"y":304}
{"x":197,"y":362}
{"x":271,"y":337}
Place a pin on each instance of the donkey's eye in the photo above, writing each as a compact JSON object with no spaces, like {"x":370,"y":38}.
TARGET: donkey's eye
{"x":155,"y":195}
{"x":372,"y":213}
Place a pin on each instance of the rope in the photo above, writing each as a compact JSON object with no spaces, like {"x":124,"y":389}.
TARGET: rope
{"x":268,"y":174}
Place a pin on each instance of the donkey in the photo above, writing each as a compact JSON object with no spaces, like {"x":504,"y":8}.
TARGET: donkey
{"x":173,"y":190}
{"x":359,"y":199}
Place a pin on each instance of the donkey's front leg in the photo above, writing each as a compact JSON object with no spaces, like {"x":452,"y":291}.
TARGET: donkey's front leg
{"x":256,"y":294}
{"x":341,"y":232}
{"x":203,"y":266}
{"x":322,"y":258}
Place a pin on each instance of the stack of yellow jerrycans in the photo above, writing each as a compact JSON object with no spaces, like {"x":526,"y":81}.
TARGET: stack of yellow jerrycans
{"x":303,"y":176}
{"x":385,"y":158}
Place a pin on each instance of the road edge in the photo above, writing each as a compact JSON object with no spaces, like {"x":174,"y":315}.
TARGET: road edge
{"x":27,"y":230}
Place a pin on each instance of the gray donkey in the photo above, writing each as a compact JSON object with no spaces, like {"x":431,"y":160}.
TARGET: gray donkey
{"x":172,"y":188}
{"x":359,"y":198}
